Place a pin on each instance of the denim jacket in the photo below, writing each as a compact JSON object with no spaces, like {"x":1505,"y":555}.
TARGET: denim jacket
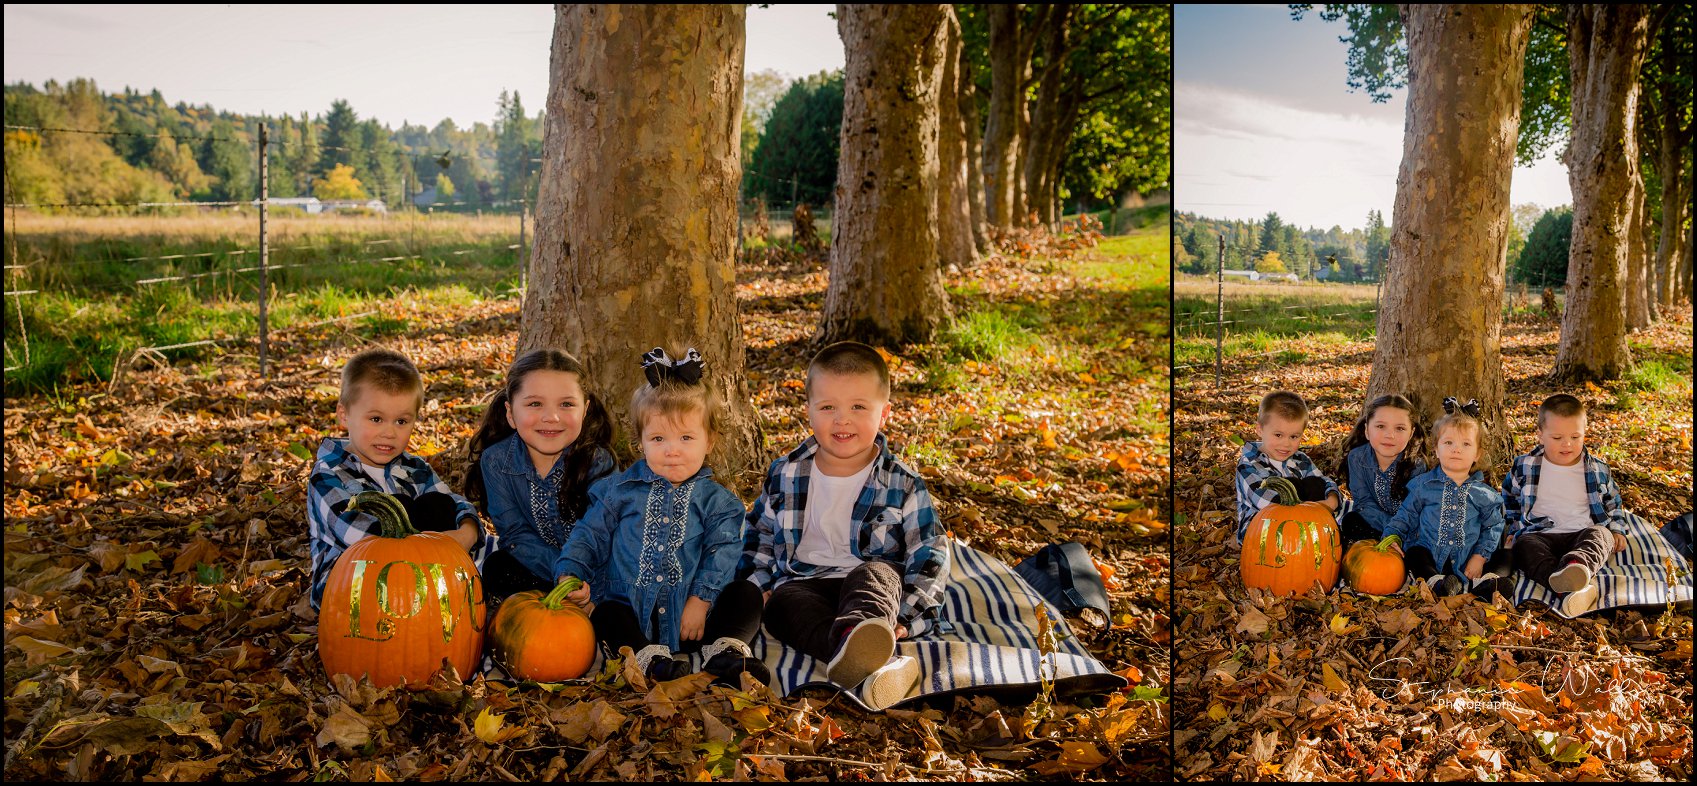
{"x":894,"y":520}
{"x":1370,"y":490}
{"x":1520,"y":490}
{"x":1253,"y":466}
{"x":655,"y":544}
{"x":526,"y":506}
{"x":1453,"y":521}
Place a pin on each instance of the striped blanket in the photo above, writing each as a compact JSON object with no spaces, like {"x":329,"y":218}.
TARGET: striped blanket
{"x":987,"y":640}
{"x":1637,"y":576}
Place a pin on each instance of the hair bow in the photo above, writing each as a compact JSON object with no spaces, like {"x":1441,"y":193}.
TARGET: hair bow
{"x":1471,"y":408}
{"x":659,"y":367}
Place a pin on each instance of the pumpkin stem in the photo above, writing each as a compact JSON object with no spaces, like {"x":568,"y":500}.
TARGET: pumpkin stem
{"x":1284,"y":488}
{"x":557,"y":596}
{"x":1385,"y":545}
{"x":388,"y":510}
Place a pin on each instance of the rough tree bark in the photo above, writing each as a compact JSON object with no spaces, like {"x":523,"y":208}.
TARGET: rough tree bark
{"x":1047,"y":116}
{"x":636,"y":222}
{"x":886,"y":286}
{"x":1670,"y":134}
{"x":1640,"y":284}
{"x":975,"y":186}
{"x":1440,"y":318}
{"x":1607,"y":45}
{"x":1007,"y":107}
{"x":954,"y":209}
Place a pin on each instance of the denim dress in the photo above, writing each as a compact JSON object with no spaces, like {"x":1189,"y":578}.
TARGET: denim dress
{"x":525,"y":506}
{"x":1454,"y":521}
{"x":655,"y":544}
{"x":1371,"y":490}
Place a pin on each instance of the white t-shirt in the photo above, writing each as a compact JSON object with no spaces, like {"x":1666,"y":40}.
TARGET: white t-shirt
{"x":829,"y":525}
{"x":377,"y":474}
{"x":1561,"y":497}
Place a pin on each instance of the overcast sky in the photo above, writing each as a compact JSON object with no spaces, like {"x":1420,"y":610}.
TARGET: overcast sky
{"x":415,"y":63}
{"x":1263,"y":122}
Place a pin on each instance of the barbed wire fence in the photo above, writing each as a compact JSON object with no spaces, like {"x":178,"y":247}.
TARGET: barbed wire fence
{"x":227,"y":265}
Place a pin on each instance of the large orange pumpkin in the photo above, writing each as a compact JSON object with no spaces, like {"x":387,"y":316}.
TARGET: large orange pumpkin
{"x":1373,"y":568}
{"x":544,"y":637}
{"x":1290,"y":546}
{"x":398,"y":603}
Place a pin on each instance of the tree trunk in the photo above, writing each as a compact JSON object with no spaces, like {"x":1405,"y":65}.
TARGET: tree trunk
{"x":1606,"y":44}
{"x":886,"y":286}
{"x":1672,"y":165}
{"x":1001,"y":132}
{"x":954,"y":209}
{"x":974,"y":163}
{"x":1046,"y":118}
{"x":1641,"y":309}
{"x":636,"y":222}
{"x":1440,"y":318}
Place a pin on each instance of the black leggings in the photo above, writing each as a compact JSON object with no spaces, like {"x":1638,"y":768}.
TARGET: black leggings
{"x":735,"y":614}
{"x":1420,"y":565}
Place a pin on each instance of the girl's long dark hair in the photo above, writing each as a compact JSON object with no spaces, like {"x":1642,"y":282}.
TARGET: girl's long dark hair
{"x":1358,"y":437}
{"x":596,"y":435}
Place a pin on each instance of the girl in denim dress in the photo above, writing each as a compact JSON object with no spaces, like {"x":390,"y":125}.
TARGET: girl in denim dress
{"x":665,"y":540}
{"x":1451,"y":525}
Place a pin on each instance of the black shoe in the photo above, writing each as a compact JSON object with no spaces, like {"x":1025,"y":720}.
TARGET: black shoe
{"x":667,"y":669}
{"x":1446,"y":586}
{"x":1485,"y":588}
{"x":727,"y":669}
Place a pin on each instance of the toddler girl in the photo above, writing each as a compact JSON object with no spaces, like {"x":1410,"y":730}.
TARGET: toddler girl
{"x":544,"y":441}
{"x":1451,"y":523}
{"x":666,"y":539}
{"x":1377,"y":465}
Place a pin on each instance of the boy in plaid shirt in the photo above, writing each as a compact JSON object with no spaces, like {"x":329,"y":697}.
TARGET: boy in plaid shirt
{"x":1282,"y":418}
{"x":381,"y":395}
{"x":1561,"y":508}
{"x":843,"y":538}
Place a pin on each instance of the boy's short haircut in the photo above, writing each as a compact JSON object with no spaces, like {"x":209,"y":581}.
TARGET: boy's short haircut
{"x":1285,"y":404}
{"x":850,"y":357}
{"x":1561,"y":405}
{"x":385,"y":369}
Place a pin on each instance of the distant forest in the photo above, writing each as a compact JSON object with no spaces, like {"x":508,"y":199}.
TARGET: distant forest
{"x":1537,"y":246}
{"x":154,"y":151}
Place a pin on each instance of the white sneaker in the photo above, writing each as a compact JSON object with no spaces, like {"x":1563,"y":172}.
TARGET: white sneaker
{"x":1571,"y":577}
{"x":1580,"y":601}
{"x":866,"y":648}
{"x":892,"y":682}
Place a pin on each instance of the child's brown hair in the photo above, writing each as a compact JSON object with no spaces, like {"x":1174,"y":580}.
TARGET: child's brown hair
{"x":850,"y":357}
{"x":1560,"y":405}
{"x":1464,"y":416}
{"x":1285,"y":404}
{"x":385,"y":369}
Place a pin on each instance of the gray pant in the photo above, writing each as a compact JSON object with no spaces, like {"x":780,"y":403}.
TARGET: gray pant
{"x":813,"y":615}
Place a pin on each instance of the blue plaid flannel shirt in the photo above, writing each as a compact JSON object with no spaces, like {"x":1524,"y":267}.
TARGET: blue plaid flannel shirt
{"x":1253,"y":466}
{"x":895,"y":521}
{"x":337,"y":476}
{"x":1520,"y":489}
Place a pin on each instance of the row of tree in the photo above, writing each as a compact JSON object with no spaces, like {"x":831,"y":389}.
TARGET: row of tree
{"x":1273,"y":246}
{"x":1057,"y":104}
{"x":148,"y":150}
{"x":634,"y":140}
{"x":1488,"y":84}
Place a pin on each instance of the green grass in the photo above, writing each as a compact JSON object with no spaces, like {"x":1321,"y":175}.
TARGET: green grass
{"x":91,"y":315}
{"x":1265,"y":318}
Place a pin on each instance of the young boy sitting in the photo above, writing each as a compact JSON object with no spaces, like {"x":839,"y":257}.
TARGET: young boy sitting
{"x":381,"y":396}
{"x":843,"y":538}
{"x":1561,"y":508}
{"x":1281,"y":421}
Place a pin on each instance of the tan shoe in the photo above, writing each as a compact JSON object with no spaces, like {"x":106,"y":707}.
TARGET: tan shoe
{"x":866,"y":648}
{"x":892,"y":682}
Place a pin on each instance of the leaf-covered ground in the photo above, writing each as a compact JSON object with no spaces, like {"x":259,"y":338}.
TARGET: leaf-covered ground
{"x":1353,"y":687}
{"x":156,"y":555}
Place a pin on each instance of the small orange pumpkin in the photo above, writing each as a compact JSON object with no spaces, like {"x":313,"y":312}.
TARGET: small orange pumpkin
{"x":1290,"y":546}
{"x":544,"y":637}
{"x":397,"y":603}
{"x":1373,"y":568}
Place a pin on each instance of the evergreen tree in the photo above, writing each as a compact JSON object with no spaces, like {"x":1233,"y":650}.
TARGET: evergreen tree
{"x":1543,"y":262}
{"x":341,"y":141}
{"x":796,"y":158}
{"x":1272,"y":232}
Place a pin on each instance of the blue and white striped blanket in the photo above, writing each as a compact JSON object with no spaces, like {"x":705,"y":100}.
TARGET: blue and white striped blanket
{"x":988,"y":641}
{"x":1634,"y":577}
